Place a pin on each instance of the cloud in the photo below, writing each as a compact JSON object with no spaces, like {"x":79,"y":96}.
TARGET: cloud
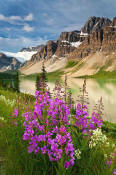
{"x":28,"y":28}
{"x":15,"y":44}
{"x":10,"y":19}
{"x":29,"y":17}
{"x":14,"y":18}
{"x":2,"y":17}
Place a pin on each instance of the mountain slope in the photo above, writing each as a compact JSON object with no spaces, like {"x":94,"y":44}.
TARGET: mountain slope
{"x":8,"y":63}
{"x":93,"y":63}
{"x":51,"y":65}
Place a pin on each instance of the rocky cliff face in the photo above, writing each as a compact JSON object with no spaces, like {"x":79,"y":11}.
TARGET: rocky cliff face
{"x":114,"y":22}
{"x":69,"y":41}
{"x":53,"y":49}
{"x":8,"y":63}
{"x":99,"y":40}
{"x":66,"y":43}
{"x":73,"y":36}
{"x":95,"y":24}
{"x":46,"y":52}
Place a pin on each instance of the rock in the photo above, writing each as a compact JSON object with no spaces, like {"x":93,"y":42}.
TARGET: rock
{"x":114,"y":22}
{"x":73,"y":36}
{"x":95,"y":24}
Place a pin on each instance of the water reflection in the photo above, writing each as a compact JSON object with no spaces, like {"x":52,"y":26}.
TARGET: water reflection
{"x":96,"y":89}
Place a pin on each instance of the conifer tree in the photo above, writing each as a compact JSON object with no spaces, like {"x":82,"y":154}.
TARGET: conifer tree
{"x":17,"y":81}
{"x":44,"y":73}
{"x":38,"y":82}
{"x":41,"y":80}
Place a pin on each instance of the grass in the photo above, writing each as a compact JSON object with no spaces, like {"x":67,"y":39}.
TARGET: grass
{"x":17,"y":161}
{"x":110,"y":129}
{"x":13,"y":150}
{"x":71,"y":63}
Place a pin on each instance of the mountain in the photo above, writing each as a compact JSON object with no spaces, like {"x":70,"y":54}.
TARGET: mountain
{"x":8,"y":63}
{"x":95,"y":24}
{"x":97,"y":35}
{"x":24,"y":54}
{"x":66,"y":43}
{"x":96,"y":53}
{"x":30,"y":49}
{"x":103,"y":40}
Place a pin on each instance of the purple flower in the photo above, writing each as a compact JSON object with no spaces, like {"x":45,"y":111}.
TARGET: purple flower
{"x":109,"y":162}
{"x":36,"y":94}
{"x":67,"y":164}
{"x":16,"y":112}
{"x":44,"y":149}
{"x":41,"y":138}
{"x":15,"y":123}
{"x":31,"y":148}
{"x":69,"y":148}
{"x":71,"y":162}
{"x":114,"y":172}
{"x":26,"y":136}
{"x":37,"y":150}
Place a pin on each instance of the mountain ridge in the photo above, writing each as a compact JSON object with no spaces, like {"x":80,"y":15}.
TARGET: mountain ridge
{"x":97,"y":35}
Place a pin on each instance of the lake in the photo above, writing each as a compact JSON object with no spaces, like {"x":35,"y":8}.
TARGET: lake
{"x":95,"y":88}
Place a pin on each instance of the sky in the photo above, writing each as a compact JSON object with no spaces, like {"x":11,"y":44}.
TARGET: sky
{"x":25,"y":23}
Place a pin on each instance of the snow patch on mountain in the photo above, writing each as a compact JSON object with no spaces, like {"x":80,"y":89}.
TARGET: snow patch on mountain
{"x":73,"y":44}
{"x":83,"y":34}
{"x":20,"y":56}
{"x":64,"y":41}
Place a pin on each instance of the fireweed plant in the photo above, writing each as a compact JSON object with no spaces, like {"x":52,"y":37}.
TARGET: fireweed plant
{"x":66,"y":137}
{"x":47,"y":129}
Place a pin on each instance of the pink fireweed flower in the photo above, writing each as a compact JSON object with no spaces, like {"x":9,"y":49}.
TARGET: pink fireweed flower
{"x":114,"y":172}
{"x":109,"y":162}
{"x":15,"y":123}
{"x":67,"y":164}
{"x":36,"y":94}
{"x":16,"y":112}
{"x":84,"y":122}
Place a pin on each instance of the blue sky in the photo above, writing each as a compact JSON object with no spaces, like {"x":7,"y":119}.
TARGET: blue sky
{"x":26,"y":23}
